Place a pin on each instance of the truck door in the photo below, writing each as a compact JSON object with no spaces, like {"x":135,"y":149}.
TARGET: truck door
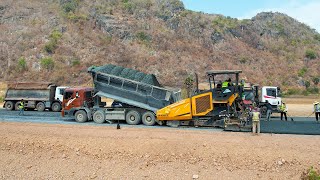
{"x":68,"y":98}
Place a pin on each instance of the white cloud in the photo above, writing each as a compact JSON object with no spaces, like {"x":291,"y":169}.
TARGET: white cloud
{"x":306,"y":13}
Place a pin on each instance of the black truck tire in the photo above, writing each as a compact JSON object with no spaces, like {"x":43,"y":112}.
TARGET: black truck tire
{"x":40,"y":106}
{"x":99,"y":117}
{"x":16,"y":106}
{"x":148,"y":118}
{"x":9,"y":105}
{"x":263,"y":111}
{"x":81,"y":116}
{"x":133,"y":117}
{"x":56,"y":107}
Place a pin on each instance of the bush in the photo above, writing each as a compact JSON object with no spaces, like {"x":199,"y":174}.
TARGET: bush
{"x":50,"y":47}
{"x":311,"y":174}
{"x":70,"y":6}
{"x":47,"y":63}
{"x":55,"y":35}
{"x":77,"y":17}
{"x":1,"y":99}
{"x":316,"y":80}
{"x":243,"y":60}
{"x":144,"y":37}
{"x":317,"y":37}
{"x":307,"y":84}
{"x":53,"y":43}
{"x":22,"y":64}
{"x":222,"y":22}
{"x":305,"y":93}
{"x":311,"y":54}
{"x":75,"y":62}
{"x":313,"y":90}
{"x":302,"y":72}
{"x":292,"y":91}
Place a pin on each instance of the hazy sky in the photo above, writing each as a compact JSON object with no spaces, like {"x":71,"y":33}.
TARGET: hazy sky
{"x":306,"y":11}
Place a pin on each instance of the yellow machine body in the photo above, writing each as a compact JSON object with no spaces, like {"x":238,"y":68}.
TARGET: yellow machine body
{"x":230,"y":101}
{"x":199,"y":105}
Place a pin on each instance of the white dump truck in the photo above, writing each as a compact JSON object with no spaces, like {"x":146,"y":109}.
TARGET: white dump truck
{"x":38,"y":96}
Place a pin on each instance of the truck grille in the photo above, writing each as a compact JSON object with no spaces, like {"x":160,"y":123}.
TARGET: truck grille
{"x":202,"y":104}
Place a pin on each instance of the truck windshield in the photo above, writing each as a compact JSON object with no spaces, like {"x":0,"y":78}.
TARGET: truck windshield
{"x":67,"y":95}
{"x":272,"y":92}
{"x":61,"y":91}
{"x":249,"y":95}
{"x":88,"y":94}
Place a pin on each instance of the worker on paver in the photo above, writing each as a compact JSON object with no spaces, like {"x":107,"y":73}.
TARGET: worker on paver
{"x":269,"y":110}
{"x":256,"y":121}
{"x":226,"y":83}
{"x":316,"y":111}
{"x":21,"y":107}
{"x":283,"y":109}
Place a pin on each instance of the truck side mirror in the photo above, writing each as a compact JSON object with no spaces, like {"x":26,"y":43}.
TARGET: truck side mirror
{"x":77,"y":94}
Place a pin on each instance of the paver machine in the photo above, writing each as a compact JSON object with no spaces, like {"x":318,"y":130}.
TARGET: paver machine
{"x":219,"y":106}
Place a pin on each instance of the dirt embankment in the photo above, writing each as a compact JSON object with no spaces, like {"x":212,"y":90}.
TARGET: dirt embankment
{"x":42,"y":151}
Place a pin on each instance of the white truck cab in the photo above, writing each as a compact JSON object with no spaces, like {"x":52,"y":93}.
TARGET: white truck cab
{"x":59,"y":93}
{"x":271,"y":94}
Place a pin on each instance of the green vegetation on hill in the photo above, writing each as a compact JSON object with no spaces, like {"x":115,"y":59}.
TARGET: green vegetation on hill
{"x":158,"y":37}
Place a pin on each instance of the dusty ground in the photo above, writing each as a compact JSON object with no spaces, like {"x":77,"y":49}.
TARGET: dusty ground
{"x":301,"y":106}
{"x":42,"y":151}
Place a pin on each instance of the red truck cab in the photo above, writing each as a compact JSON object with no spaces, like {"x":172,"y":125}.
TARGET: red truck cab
{"x":77,"y":102}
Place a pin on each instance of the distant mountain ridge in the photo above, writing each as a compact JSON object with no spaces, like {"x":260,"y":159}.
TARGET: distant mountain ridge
{"x":58,"y":40}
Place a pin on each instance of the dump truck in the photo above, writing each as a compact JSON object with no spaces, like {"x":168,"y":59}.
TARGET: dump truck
{"x":38,"y":96}
{"x":141,"y":93}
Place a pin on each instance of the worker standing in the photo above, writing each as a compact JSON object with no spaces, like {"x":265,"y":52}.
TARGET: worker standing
{"x":269,"y":110}
{"x":21,"y":107}
{"x":316,"y":110}
{"x":256,"y":121}
{"x":283,"y":109}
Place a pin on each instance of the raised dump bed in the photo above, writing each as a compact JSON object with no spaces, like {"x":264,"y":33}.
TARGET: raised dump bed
{"x":132,"y":87}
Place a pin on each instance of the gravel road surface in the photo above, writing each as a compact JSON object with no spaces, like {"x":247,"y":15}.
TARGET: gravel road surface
{"x":59,"y":151}
{"x":300,"y":125}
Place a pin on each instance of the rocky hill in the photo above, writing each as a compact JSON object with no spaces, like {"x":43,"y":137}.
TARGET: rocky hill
{"x":58,"y":40}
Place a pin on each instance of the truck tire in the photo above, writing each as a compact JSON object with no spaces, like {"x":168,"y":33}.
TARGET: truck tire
{"x":16,"y":106}
{"x":56,"y":107}
{"x":40,"y":106}
{"x":133,"y":117}
{"x":81,"y":116}
{"x":263,"y":111}
{"x":9,"y":105}
{"x":99,"y":117}
{"x":148,"y":118}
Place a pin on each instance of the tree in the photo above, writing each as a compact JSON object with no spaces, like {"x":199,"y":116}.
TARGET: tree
{"x":316,"y":80}
{"x":22,"y":64}
{"x":307,"y":84}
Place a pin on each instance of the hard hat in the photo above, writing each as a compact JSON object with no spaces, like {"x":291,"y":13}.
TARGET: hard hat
{"x":316,"y":102}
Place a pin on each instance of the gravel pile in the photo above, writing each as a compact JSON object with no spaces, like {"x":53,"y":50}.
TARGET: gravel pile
{"x":128,"y":74}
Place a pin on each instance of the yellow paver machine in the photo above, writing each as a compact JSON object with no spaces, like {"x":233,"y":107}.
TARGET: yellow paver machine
{"x":220,"y":106}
